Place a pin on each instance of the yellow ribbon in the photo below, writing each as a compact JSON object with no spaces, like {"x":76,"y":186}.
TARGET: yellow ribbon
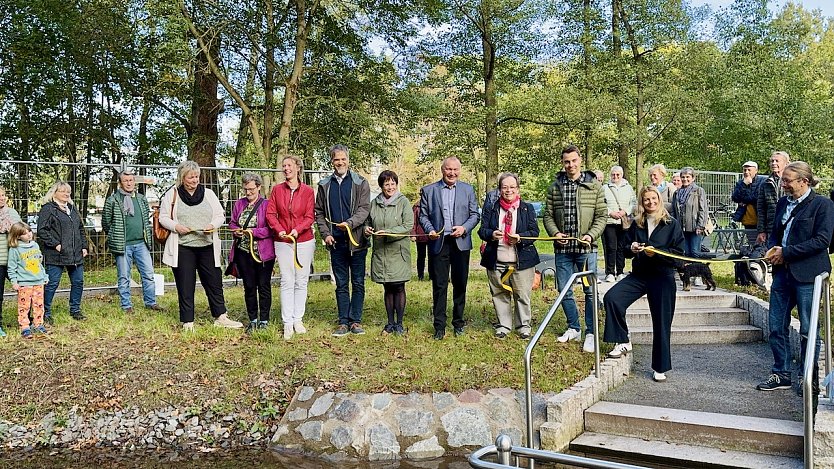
{"x":552,"y":238}
{"x":294,"y":251}
{"x":654,"y":250}
{"x":252,"y":249}
{"x":349,"y":232}
{"x":505,"y":277}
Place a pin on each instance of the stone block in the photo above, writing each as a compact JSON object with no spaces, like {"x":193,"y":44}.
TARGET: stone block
{"x":322,"y":404}
{"x":346,"y":411}
{"x":425,"y":449}
{"x":341,"y":437}
{"x":554,"y":437}
{"x":305,"y":393}
{"x":299,"y":413}
{"x":466,"y":427}
{"x":442,"y":400}
{"x":381,"y":401}
{"x":382,"y":444}
{"x":413,"y":422}
{"x":311,"y":430}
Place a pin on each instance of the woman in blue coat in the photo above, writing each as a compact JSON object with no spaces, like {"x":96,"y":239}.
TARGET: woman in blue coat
{"x":503,"y":225}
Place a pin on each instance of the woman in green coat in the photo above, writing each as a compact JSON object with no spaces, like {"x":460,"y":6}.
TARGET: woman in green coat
{"x":389,"y":223}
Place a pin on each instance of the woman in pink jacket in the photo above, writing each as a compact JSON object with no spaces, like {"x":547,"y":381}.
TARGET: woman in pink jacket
{"x":290,"y":215}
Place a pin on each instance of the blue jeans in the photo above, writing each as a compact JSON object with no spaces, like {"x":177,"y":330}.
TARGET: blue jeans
{"x":566,"y":265}
{"x":76,"y":276}
{"x":785,"y":294}
{"x":135,"y":254}
{"x":349,"y":266}
{"x":692,"y":243}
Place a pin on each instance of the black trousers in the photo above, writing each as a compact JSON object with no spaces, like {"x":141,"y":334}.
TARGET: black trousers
{"x":421,"y":260}
{"x":193,"y":262}
{"x":660,"y":289}
{"x":257,"y":284}
{"x":613,"y":243}
{"x":4,"y":274}
{"x":452,"y":260}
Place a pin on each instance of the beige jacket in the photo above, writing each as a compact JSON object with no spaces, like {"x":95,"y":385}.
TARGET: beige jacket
{"x":170,"y":256}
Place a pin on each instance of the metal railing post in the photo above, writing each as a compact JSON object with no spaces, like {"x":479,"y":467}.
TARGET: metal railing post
{"x":528,"y":352}
{"x":811,"y":360}
{"x":504,"y":446}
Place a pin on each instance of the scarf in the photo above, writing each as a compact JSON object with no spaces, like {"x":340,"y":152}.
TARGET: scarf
{"x":64,"y":208}
{"x":683,"y":194}
{"x":192,"y":200}
{"x":390,"y":200}
{"x":662,"y":186}
{"x":510,"y":208}
{"x":127,"y":202}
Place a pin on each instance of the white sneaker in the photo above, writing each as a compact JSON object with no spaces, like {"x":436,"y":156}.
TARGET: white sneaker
{"x":588,"y":346}
{"x":188,"y":327}
{"x":288,"y":331}
{"x":299,"y":327}
{"x":570,"y":334}
{"x":610,"y":278}
{"x":620,"y":277}
{"x":619,"y":350}
{"x":659,"y":377}
{"x":224,"y":321}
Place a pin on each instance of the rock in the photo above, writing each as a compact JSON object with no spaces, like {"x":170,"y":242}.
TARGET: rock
{"x":470,"y":396}
{"x":466,"y":427}
{"x":179,"y":432}
{"x":425,"y":449}
{"x":515,"y":435}
{"x":341,"y":437}
{"x":414,"y":422}
{"x":382,"y":444}
{"x":306,"y":393}
{"x":346,"y":411}
{"x":442,"y":400}
{"x":410,"y":400}
{"x":381,"y":401}
{"x":498,"y":410}
{"x":281,"y":431}
{"x":321,"y":404}
{"x":299,"y":413}
{"x":310,"y":430}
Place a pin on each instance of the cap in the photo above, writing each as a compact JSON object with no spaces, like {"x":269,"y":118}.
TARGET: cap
{"x":750,"y":163}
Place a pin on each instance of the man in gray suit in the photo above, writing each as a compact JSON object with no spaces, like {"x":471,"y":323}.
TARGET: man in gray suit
{"x":448,"y":215}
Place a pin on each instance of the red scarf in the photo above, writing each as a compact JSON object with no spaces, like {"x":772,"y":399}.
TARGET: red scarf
{"x":510,"y":207}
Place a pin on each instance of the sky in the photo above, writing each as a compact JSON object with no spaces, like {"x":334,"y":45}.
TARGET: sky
{"x":826,"y":6}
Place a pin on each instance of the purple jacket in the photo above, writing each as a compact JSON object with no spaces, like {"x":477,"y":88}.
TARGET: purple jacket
{"x":262,"y":232}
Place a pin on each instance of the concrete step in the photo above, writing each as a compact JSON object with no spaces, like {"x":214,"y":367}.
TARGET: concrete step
{"x":695,"y":299}
{"x":725,"y":432}
{"x":685,"y":316}
{"x":701,"y":334}
{"x":633,"y":450}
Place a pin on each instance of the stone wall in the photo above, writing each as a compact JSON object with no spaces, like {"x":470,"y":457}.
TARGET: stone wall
{"x":385,"y":426}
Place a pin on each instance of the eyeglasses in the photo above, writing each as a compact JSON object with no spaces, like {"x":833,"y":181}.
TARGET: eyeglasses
{"x":250,"y":189}
{"x":790,"y":181}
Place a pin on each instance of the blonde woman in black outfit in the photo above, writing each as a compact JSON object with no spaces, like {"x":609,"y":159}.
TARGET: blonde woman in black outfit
{"x":651,"y":274}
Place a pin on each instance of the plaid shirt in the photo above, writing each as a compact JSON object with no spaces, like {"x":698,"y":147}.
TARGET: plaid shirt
{"x":571,"y":217}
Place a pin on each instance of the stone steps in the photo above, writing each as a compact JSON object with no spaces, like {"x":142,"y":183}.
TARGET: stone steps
{"x":716,"y":316}
{"x":626,"y":449}
{"x":695,"y":299}
{"x":719,"y":431}
{"x":701,"y":334}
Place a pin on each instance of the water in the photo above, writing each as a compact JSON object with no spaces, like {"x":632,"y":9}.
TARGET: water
{"x":261,"y":458}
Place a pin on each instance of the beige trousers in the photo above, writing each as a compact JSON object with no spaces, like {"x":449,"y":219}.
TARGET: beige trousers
{"x":511,"y":307}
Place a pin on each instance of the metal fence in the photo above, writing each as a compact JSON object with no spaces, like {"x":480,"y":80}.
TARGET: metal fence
{"x":26,"y":183}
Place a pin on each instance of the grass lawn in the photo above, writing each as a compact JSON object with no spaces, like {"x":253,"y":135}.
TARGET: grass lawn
{"x":112,"y":361}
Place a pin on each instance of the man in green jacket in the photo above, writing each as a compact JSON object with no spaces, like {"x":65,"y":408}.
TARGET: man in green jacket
{"x":575,"y":208}
{"x":126,"y":220}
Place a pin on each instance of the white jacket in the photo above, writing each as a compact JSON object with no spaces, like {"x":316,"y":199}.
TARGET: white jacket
{"x":624,"y":194}
{"x":170,"y":256}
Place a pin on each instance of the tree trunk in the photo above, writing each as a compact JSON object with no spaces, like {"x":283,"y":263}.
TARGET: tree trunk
{"x":490,"y":101}
{"x":248,"y":94}
{"x":616,"y":51}
{"x":142,"y":151}
{"x":293,"y":82}
{"x":205,"y":108}
{"x":269,"y":83}
{"x":586,"y":81}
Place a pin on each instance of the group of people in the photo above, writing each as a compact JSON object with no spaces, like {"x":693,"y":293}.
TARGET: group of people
{"x":663,"y":217}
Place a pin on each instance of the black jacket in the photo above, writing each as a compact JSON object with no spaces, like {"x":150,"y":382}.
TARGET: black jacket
{"x":56,"y":227}
{"x":806,"y":252}
{"x":667,"y":236}
{"x":527,"y":225}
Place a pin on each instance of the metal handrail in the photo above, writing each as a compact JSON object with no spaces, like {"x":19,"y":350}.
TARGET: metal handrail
{"x":503,"y":450}
{"x":528,"y":393}
{"x":821,"y":280}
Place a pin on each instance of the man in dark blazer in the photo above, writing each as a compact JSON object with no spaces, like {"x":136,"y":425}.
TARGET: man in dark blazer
{"x":803,"y":223}
{"x":448,"y":215}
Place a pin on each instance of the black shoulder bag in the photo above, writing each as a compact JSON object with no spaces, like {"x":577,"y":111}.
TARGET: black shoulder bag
{"x":231,"y":269}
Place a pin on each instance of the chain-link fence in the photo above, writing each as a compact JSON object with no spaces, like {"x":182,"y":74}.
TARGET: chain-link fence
{"x":27,"y":182}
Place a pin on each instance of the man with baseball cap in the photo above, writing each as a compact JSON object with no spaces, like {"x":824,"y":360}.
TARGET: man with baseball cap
{"x":746,"y":194}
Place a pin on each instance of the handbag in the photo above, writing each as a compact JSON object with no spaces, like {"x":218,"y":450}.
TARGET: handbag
{"x":231,"y":268}
{"x":160,"y":233}
{"x":626,"y":220}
